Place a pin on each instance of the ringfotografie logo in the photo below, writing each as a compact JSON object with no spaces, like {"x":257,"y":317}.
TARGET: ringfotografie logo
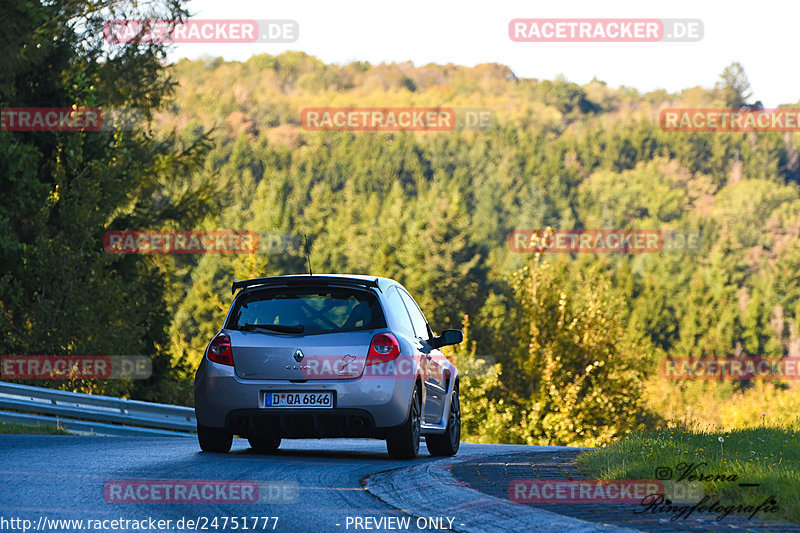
{"x":660,"y":504}
{"x":693,"y":476}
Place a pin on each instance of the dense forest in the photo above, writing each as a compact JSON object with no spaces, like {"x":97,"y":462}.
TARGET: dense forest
{"x":561,"y":348}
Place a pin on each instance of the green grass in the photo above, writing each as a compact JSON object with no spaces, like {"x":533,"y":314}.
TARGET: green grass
{"x":23,"y":429}
{"x":768,"y":456}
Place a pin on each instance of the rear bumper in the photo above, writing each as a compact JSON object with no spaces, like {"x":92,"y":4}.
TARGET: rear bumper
{"x":362,"y":407}
{"x":308,"y":424}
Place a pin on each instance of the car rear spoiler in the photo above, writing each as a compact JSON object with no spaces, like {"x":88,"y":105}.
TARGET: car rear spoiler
{"x":307,"y":281}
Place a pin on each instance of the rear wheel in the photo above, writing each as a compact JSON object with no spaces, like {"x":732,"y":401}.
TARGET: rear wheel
{"x":403,"y":442}
{"x":264,"y":444}
{"x":214,"y":440}
{"x":447,"y":444}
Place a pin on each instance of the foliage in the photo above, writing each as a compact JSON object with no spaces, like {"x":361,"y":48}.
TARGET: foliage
{"x":582,"y":375}
{"x":60,"y":292}
{"x":570,"y":343}
{"x":27,"y":429}
{"x":485,"y":416}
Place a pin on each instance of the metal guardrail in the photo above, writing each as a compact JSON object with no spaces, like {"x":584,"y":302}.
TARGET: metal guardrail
{"x":87,"y":413}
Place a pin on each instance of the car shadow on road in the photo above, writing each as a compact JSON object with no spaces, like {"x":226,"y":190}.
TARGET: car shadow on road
{"x":330,"y":454}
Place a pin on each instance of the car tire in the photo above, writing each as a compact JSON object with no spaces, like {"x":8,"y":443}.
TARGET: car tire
{"x":447,"y":444}
{"x":214,"y":440}
{"x":264,"y":444}
{"x":403,"y":442}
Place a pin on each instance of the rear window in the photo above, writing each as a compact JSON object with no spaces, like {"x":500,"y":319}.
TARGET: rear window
{"x":317,"y":309}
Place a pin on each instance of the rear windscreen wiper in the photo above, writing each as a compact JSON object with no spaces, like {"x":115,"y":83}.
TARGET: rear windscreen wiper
{"x":272,"y":327}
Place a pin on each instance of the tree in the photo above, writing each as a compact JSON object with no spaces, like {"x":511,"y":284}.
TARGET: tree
{"x":485,"y":414}
{"x":60,"y":292}
{"x":584,"y":375}
{"x":733,"y":86}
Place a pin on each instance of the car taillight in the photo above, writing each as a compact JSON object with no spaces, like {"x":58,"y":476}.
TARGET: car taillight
{"x":219,"y":350}
{"x":383,"y":348}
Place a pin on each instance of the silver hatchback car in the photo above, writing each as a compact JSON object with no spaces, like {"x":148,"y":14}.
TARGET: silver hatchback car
{"x":321,"y":356}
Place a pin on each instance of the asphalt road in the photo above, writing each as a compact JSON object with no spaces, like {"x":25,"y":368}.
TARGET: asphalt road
{"x":64,"y":477}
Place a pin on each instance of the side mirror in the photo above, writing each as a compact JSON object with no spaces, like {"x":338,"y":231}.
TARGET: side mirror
{"x":448,"y":337}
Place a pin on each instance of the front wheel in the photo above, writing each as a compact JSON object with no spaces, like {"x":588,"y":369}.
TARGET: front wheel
{"x":447,"y":444}
{"x":403,"y":442}
{"x":214,"y":440}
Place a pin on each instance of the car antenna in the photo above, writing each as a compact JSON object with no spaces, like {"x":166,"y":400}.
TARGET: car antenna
{"x":308,"y":255}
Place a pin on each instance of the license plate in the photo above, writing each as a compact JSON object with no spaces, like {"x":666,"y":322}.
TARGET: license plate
{"x":315,"y":400}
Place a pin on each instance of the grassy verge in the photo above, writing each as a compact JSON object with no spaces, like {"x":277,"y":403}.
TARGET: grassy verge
{"x":767,"y":456}
{"x":23,"y":429}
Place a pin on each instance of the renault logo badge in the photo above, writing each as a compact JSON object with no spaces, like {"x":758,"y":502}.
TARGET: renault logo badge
{"x":298,"y":355}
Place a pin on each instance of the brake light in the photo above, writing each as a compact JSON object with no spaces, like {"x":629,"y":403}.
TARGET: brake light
{"x":219,"y":350}
{"x":383,"y":348}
